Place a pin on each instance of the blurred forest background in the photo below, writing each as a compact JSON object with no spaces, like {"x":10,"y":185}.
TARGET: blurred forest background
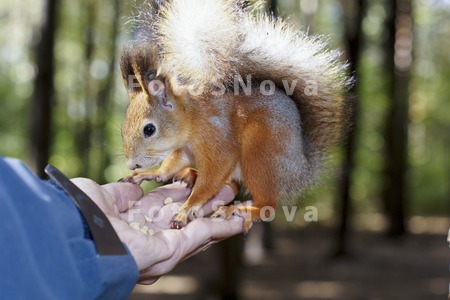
{"x":63,"y":102}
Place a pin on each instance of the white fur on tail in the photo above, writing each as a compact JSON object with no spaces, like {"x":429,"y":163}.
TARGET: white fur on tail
{"x":198,"y":40}
{"x":205,"y":41}
{"x":277,"y":47}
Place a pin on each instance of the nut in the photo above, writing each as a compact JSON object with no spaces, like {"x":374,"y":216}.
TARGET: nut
{"x":144,"y":229}
{"x":168,"y":200}
{"x":135,"y":225}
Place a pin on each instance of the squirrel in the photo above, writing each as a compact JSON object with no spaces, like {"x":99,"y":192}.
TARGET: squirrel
{"x":239,"y":94}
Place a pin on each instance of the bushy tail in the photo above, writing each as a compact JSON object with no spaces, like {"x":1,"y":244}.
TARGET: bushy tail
{"x":205,"y":41}
{"x":303,"y":66}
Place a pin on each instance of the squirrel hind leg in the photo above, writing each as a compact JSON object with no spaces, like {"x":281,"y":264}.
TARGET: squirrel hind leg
{"x":192,"y":209}
{"x":249,"y":213}
{"x":234,"y":185}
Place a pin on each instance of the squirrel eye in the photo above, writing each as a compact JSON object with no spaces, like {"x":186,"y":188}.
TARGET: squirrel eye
{"x":149,"y":130}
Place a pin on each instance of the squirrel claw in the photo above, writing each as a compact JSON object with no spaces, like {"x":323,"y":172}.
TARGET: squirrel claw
{"x":226,"y":212}
{"x":187,"y":176}
{"x":128,"y":179}
{"x":175,"y":225}
{"x":178,"y":221}
{"x":182,"y":180}
{"x":184,"y":216}
{"x":246,"y":227}
{"x":138,"y":177}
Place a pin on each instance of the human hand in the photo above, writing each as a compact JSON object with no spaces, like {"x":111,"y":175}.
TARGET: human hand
{"x":160,"y":249}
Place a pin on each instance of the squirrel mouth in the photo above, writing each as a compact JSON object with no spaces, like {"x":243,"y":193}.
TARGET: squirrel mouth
{"x":144,"y":162}
{"x":152,"y":160}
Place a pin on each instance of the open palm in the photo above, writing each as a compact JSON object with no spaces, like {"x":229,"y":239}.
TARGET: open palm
{"x":156,"y":248}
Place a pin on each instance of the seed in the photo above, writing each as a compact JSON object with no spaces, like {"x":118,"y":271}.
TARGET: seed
{"x":135,"y":225}
{"x":168,"y":200}
{"x":144,"y":229}
{"x":148,"y":219}
{"x":150,"y":232}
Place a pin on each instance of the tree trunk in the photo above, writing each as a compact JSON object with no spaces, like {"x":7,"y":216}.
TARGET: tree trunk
{"x":104,"y":103}
{"x":398,"y":63}
{"x":43,"y":94}
{"x":84,"y":126}
{"x":353,"y":37}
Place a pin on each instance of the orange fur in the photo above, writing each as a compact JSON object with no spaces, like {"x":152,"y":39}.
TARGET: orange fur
{"x":273,"y":144}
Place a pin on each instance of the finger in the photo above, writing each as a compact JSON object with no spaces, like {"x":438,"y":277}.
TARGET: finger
{"x":178,"y":245}
{"x":223,"y":197}
{"x":92,"y":190}
{"x":147,"y":280}
{"x":153,"y":216}
{"x":88,"y":186}
{"x":163,"y":216}
{"x":162,"y":212}
{"x":158,"y":206}
{"x":219,"y":228}
{"x":202,"y":233}
{"x":125,"y":195}
{"x":175,"y":192}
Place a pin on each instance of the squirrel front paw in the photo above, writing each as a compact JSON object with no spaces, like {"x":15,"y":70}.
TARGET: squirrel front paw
{"x":138,"y":177}
{"x":129,"y":179}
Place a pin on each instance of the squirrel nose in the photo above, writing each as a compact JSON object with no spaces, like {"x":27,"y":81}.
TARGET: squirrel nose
{"x":132,"y":165}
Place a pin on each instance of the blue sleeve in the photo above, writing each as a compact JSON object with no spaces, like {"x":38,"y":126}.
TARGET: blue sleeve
{"x":44,"y":251}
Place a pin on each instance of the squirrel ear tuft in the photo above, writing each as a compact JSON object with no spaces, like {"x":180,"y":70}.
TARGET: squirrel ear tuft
{"x":158,"y":89}
{"x":165,"y":102}
{"x":164,"y":96}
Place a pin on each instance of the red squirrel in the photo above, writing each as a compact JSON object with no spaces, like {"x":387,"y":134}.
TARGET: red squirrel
{"x":239,"y":94}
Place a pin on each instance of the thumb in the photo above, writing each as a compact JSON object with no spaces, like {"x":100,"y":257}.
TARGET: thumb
{"x":124,"y":194}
